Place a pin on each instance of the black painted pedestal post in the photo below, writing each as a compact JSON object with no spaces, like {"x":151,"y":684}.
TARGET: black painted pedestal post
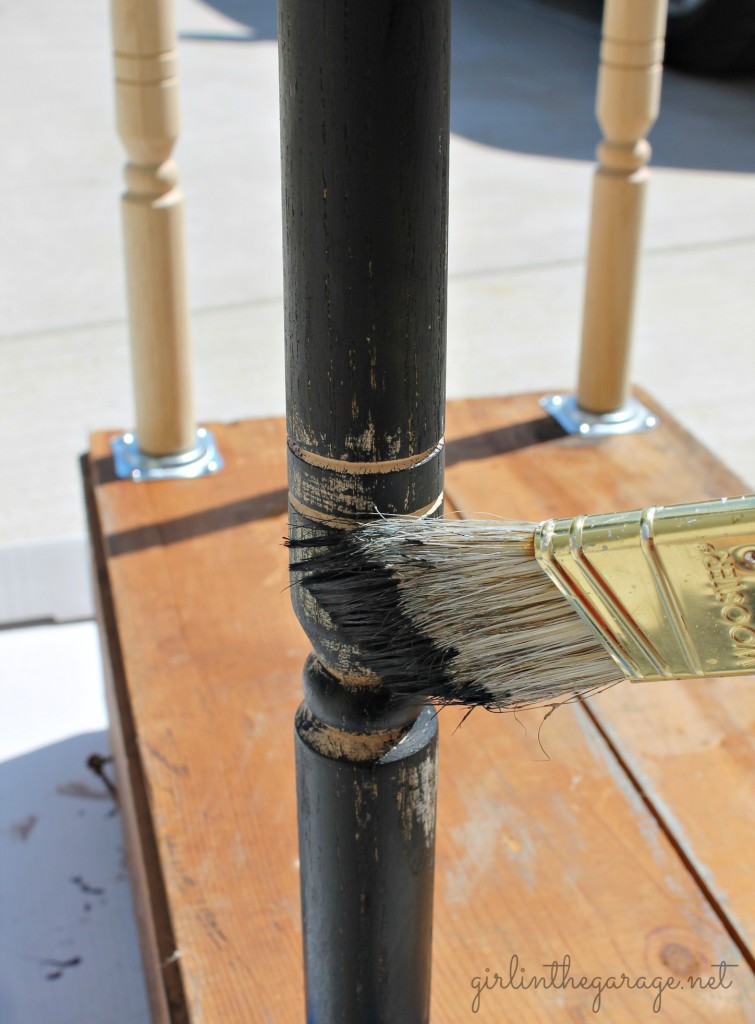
{"x":364,"y":106}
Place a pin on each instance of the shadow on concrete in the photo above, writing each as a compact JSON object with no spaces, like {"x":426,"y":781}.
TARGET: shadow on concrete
{"x":259,"y":18}
{"x":524,"y":75}
{"x":68,"y":935}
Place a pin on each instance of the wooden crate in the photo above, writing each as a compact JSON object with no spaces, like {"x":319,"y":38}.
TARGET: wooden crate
{"x":619,"y":834}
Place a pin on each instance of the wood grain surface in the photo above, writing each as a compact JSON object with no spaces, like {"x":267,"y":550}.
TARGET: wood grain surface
{"x":547,"y":847}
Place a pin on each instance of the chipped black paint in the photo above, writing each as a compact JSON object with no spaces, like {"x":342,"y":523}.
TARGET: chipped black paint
{"x":362,"y":596}
{"x":364,"y":137}
{"x":364,"y":105}
{"x":367,"y":849}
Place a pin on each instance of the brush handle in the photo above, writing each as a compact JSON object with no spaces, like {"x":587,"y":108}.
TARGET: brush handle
{"x":670,"y":590}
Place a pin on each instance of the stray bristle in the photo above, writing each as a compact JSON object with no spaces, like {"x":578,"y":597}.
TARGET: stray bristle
{"x":455,"y":610}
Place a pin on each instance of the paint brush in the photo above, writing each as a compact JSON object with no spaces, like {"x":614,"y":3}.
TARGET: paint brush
{"x":507,"y":615}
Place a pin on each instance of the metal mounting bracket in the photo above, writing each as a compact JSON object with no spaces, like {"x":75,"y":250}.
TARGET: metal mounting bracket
{"x":631,"y":418}
{"x":133,"y":464}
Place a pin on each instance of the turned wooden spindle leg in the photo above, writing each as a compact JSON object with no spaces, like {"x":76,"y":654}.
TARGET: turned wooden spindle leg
{"x":146,"y":90}
{"x":364,"y":105}
{"x":629,"y":88}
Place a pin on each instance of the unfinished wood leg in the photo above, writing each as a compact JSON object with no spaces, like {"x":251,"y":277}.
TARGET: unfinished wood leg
{"x":629,"y":86}
{"x":146,"y":89}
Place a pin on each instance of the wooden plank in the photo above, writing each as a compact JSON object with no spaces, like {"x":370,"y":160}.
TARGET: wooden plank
{"x":536,"y":858}
{"x":506,"y":453}
{"x":688,"y":745}
{"x":543,"y":856}
{"x":690,"y":748}
{"x":152,"y":913}
{"x":211,"y":663}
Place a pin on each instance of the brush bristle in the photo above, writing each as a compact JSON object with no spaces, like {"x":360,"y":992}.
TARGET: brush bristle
{"x":455,"y":610}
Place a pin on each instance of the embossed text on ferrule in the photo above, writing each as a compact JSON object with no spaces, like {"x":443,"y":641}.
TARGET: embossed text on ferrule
{"x":730,"y":592}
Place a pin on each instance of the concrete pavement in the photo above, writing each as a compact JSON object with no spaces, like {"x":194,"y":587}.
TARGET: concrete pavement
{"x":521,"y":166}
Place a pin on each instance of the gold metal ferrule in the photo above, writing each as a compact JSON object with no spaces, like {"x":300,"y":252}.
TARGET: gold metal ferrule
{"x":670,"y":590}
